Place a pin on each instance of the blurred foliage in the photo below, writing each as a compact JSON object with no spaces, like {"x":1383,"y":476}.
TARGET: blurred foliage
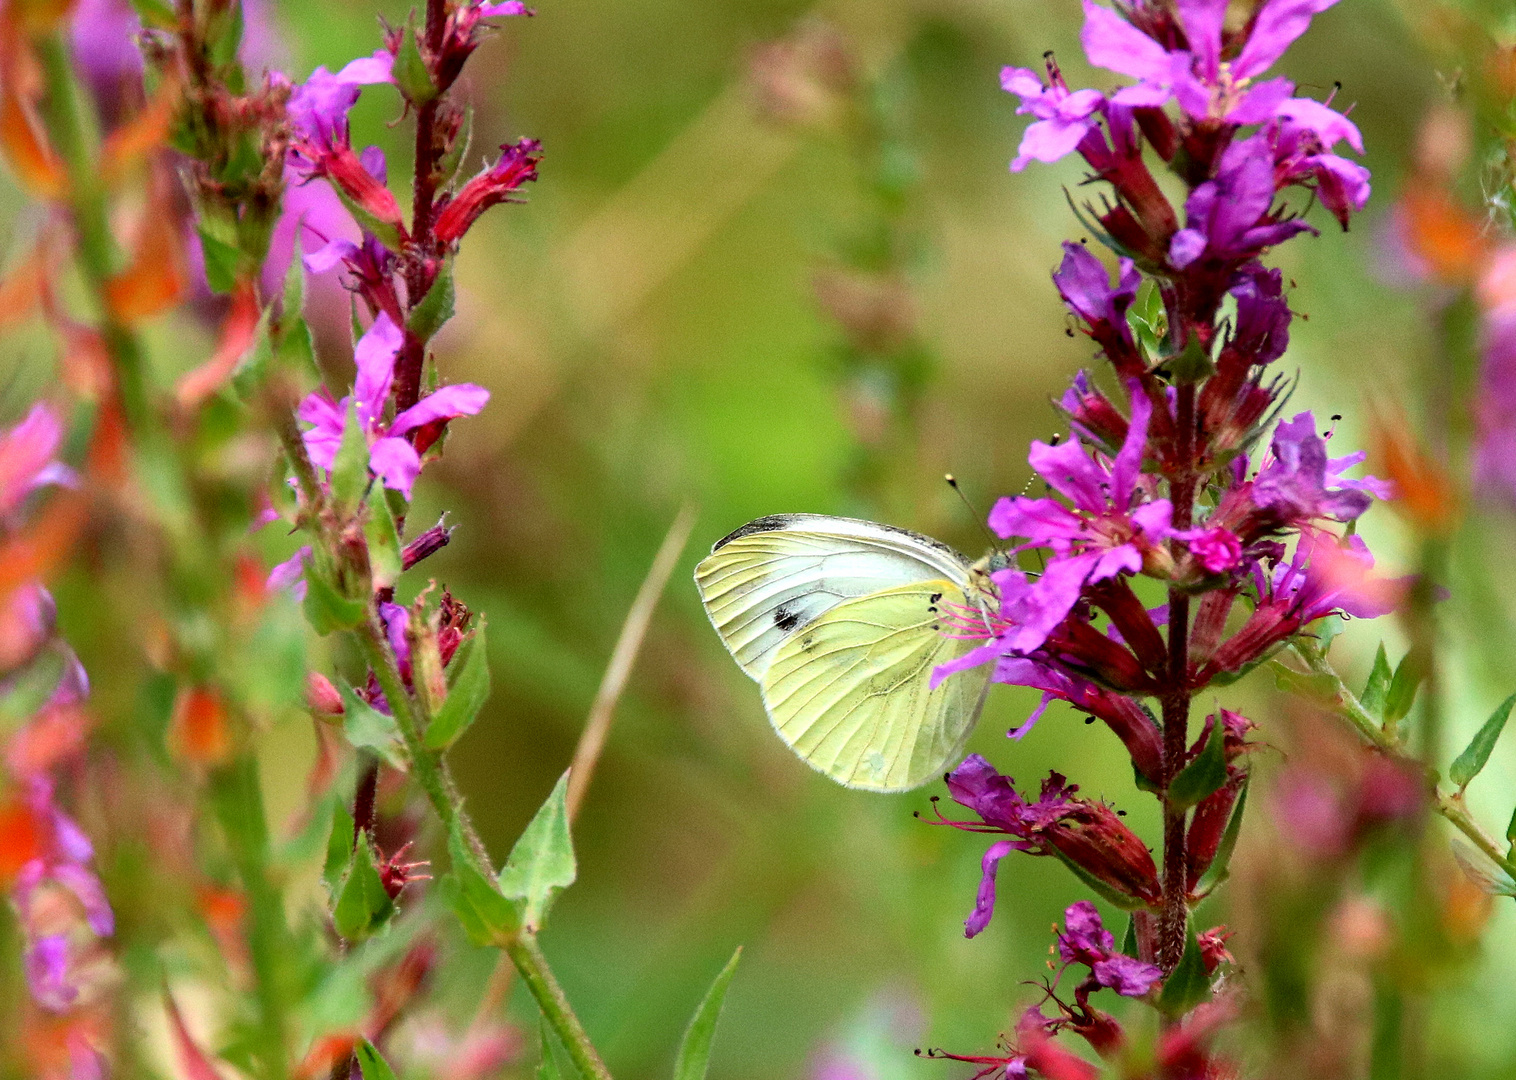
{"x":647,"y":327}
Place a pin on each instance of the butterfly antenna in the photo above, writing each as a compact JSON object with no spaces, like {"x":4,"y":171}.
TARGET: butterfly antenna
{"x":952,"y":482}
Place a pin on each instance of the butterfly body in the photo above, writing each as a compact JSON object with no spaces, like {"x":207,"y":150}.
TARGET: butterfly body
{"x":840,"y":622}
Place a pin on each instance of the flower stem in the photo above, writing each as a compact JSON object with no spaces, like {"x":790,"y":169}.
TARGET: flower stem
{"x":527,"y":955}
{"x":1173,"y":924}
{"x":430,"y":772}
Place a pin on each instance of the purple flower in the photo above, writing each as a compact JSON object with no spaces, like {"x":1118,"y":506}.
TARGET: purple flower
{"x":290,"y":574}
{"x":1088,"y":834}
{"x":1085,"y":285}
{"x":1495,"y":407}
{"x":1086,"y":941}
{"x":27,"y":458}
{"x":1063,"y":118}
{"x":391,"y":456}
{"x":47,"y":973}
{"x":1217,"y":550}
{"x":1303,"y":138}
{"x":1106,"y":532}
{"x":1262,"y":330}
{"x":1292,"y":489}
{"x":1228,"y":218}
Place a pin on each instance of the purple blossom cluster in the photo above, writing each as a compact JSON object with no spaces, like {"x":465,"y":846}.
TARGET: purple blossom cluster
{"x":1175,"y":469}
{"x":60,"y":904}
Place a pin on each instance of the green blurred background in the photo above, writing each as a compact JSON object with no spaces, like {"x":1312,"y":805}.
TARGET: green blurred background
{"x":647,"y":327}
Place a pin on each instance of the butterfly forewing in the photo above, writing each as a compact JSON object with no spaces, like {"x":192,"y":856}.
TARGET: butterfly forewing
{"x":851,"y":693}
{"x":775,"y":576}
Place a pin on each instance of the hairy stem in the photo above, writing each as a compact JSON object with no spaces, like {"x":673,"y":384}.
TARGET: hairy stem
{"x":1173,"y":923}
{"x":538,"y":976}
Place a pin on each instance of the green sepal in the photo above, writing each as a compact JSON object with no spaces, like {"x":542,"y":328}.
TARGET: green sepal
{"x":468,"y":690}
{"x":1144,"y":782}
{"x":326,"y":609}
{"x":339,"y":848}
{"x":222,"y":260}
{"x":1218,"y":871}
{"x":1192,"y":364}
{"x":1106,"y":892}
{"x":1148,"y":320}
{"x":384,"y":558}
{"x":362,"y":905}
{"x":436,"y":307}
{"x":410,"y":71}
{"x":371,"y":1063}
{"x":1468,"y":764}
{"x":1187,"y":985}
{"x":350,"y":477}
{"x":1377,"y":689}
{"x":542,"y":863}
{"x":369,"y":729}
{"x":1402,"y":693}
{"x":1203,"y":776}
{"x":1129,"y":945}
{"x":695,"y":1048}
{"x":386,"y":232}
{"x":486,"y":916}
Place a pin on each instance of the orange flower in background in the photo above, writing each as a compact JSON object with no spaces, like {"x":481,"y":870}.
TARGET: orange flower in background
{"x":20,"y":839}
{"x":238,"y":333}
{"x":1442,"y":233}
{"x":156,"y":277}
{"x":1424,"y":492}
{"x":200,"y":730}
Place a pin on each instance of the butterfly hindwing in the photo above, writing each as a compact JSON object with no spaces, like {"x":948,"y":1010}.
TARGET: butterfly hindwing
{"x":850,"y":693}
{"x":776,"y":575}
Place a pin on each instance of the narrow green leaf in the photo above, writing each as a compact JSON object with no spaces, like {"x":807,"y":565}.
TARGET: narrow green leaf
{"x":325,"y":608}
{"x":372,"y":1064}
{"x":1318,"y":687}
{"x":695,"y":1048}
{"x":1468,"y":764}
{"x":362,"y":904}
{"x":1129,"y":944}
{"x":1187,"y":985}
{"x":296,"y":347}
{"x":1377,"y":689}
{"x":487,"y":917}
{"x":339,"y":847}
{"x":468,"y":690}
{"x":350,"y":466}
{"x":436,"y":307}
{"x":541,"y":865}
{"x":1204,"y":775}
{"x":1217,"y":872}
{"x":368,"y":728}
{"x":292,"y":297}
{"x":383,"y":543}
{"x":549,"y":1069}
{"x":1402,"y":693}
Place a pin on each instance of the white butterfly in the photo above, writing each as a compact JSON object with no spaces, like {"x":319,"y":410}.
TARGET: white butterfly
{"x":840,"y":622}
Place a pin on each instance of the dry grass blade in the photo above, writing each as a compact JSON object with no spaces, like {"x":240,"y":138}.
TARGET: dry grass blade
{"x":633,"y":630}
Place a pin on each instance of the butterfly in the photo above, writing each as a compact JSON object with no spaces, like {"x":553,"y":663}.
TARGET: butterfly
{"x":841,"y":624}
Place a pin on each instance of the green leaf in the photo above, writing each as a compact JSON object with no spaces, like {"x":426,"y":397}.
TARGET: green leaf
{"x":383,"y":544}
{"x":368,"y":728}
{"x":384,"y":231}
{"x":362,"y":904}
{"x":373,"y":1066}
{"x":410,"y":71}
{"x":1218,"y":871}
{"x":1203,"y":776}
{"x":222,"y":261}
{"x":350,"y":467}
{"x":1402,"y":693}
{"x":156,"y":13}
{"x":549,"y":1069}
{"x":292,"y":299}
{"x":541,"y":865}
{"x":1187,"y":985}
{"x":436,"y":307}
{"x":468,"y":690}
{"x":1468,"y":764}
{"x":1510,"y":830}
{"x":487,"y":917}
{"x":339,"y":847}
{"x":296,"y":347}
{"x":1129,"y":943}
{"x":1316,"y":686}
{"x":695,"y":1048}
{"x":1377,"y":689}
{"x":325,"y":608}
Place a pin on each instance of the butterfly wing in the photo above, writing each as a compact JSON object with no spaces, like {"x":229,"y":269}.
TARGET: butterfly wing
{"x":850,"y":693}
{"x":774,"y":576}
